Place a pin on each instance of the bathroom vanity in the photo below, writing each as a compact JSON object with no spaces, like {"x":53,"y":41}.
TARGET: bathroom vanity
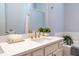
{"x":48,"y":46}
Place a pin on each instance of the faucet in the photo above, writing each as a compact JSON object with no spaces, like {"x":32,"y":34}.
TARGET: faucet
{"x":35,"y":35}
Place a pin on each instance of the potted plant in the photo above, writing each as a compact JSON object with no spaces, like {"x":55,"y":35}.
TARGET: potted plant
{"x":40,"y":30}
{"x":67,"y":40}
{"x":67,"y":46}
{"x":44,"y":31}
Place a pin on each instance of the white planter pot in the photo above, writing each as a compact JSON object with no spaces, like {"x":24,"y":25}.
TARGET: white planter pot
{"x":67,"y":50}
{"x":46,"y":34}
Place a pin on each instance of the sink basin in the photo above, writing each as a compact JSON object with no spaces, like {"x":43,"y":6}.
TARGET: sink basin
{"x":1,"y":50}
{"x":41,"y":39}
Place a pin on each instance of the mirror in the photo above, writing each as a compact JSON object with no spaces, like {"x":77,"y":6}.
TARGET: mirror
{"x":37,"y":20}
{"x":13,"y":17}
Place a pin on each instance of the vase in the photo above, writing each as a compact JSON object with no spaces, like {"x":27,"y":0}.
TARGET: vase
{"x":46,"y":34}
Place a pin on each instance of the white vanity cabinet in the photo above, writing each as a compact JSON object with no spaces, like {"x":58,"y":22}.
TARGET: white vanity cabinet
{"x":54,"y":49}
{"x":51,"y":46}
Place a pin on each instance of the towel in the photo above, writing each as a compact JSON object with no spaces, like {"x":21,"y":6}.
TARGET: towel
{"x":75,"y":50}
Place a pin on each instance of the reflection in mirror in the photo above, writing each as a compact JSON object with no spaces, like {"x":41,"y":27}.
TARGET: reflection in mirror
{"x":13,"y":17}
{"x":37,"y":20}
{"x":37,"y":16}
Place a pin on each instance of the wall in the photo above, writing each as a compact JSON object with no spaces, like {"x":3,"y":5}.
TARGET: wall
{"x":71,"y":17}
{"x":56,"y":17}
{"x":2,"y":18}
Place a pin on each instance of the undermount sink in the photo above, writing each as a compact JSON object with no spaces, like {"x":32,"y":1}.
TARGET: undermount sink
{"x":41,"y":39}
{"x":1,"y":50}
{"x":44,"y":38}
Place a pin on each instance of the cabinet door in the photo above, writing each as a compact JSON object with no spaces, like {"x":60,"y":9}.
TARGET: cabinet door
{"x":59,"y":52}
{"x":49,"y":49}
{"x":50,"y":54}
{"x":39,"y":52}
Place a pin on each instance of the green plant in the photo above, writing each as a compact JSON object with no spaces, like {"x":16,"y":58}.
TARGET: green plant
{"x":40,"y":29}
{"x":47,"y":30}
{"x":67,"y":40}
{"x":44,"y":29}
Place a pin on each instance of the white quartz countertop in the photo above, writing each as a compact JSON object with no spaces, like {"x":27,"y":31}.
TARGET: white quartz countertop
{"x":26,"y":46}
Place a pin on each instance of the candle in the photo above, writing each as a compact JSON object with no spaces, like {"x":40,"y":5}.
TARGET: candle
{"x":27,"y":24}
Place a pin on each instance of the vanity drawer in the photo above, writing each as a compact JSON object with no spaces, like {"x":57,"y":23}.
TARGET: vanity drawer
{"x":39,"y":52}
{"x":49,"y":49}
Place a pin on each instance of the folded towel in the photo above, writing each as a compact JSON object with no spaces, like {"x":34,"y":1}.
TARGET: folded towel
{"x":75,"y":50}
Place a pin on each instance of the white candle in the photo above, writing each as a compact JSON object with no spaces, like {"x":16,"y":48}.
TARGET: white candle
{"x":27,"y":24}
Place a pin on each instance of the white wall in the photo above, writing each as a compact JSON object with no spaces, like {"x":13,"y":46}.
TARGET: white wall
{"x":2,"y":18}
{"x":71,"y":17}
{"x":56,"y":17}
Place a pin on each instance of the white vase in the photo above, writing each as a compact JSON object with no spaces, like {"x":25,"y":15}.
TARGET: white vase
{"x":46,"y":34}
